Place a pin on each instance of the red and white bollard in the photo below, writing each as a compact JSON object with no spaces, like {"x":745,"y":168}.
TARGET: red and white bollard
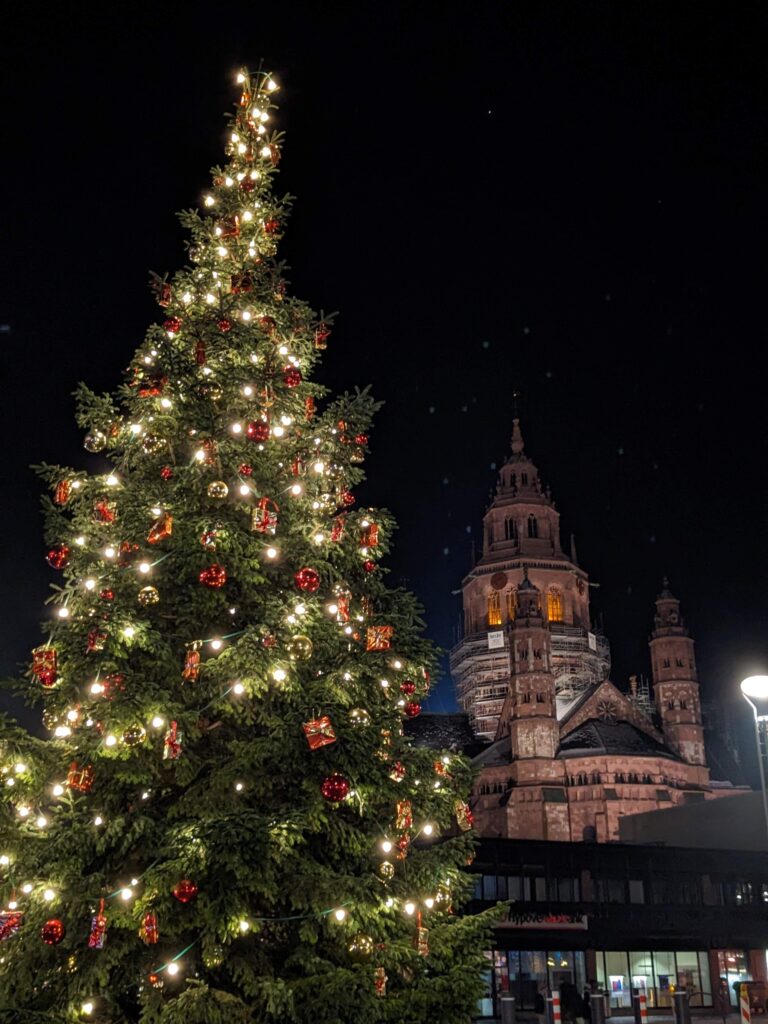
{"x":643,"y":1008}
{"x":556,"y":1015}
{"x":744,"y":1008}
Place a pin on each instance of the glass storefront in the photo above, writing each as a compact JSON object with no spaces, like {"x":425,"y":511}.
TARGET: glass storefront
{"x":657,"y":974}
{"x":732,"y":965}
{"x":523,"y":973}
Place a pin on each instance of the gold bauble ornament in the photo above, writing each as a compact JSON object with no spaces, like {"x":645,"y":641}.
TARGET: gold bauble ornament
{"x":361,"y":949}
{"x":148,"y":596}
{"x":217,"y":489}
{"x":299,"y":648}
{"x":386,"y":870}
{"x":95,"y":441}
{"x":359,"y":716}
{"x":133,"y":736}
{"x":50,"y":719}
{"x":151,"y":444}
{"x":213,"y":956}
{"x":211,"y":389}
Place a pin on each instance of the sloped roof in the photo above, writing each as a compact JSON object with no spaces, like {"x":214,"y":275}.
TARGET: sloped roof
{"x":442,"y":732}
{"x":597,"y":736}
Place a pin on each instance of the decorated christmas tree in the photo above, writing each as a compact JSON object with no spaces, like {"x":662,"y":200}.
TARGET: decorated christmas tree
{"x":227,"y":822}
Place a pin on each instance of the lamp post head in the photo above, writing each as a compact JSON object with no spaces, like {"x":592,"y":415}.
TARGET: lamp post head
{"x":755,"y":692}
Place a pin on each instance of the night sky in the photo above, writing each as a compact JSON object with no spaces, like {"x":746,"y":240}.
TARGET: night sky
{"x":568,"y":200}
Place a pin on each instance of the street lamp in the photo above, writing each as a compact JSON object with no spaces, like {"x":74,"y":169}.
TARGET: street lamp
{"x":755,"y":692}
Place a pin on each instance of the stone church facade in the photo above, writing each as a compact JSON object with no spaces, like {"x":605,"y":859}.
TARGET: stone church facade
{"x":569,"y":753}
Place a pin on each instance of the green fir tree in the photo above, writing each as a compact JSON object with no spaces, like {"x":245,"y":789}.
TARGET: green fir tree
{"x":227,"y":823}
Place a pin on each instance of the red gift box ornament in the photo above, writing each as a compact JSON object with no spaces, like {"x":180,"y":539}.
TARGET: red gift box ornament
{"x":200,"y":352}
{"x":148,"y":930}
{"x":378,"y":638}
{"x":191,"y":663}
{"x":227,"y":227}
{"x":337,"y":530}
{"x":98,"y":936}
{"x":81,"y":779}
{"x":173,"y":743}
{"x":404,"y":817}
{"x":62,"y":492}
{"x":464,"y":817}
{"x":264,"y":516}
{"x":97,"y":639}
{"x":380,"y":981}
{"x":210,"y":452}
{"x":45,"y":665}
{"x":152,"y":385}
{"x":319,"y":732}
{"x":309,"y":408}
{"x":421,"y":939}
{"x":161,"y":528}
{"x":369,"y":536}
{"x":10,"y":922}
{"x":105,"y":512}
{"x":322,"y":334}
{"x":343,"y":600}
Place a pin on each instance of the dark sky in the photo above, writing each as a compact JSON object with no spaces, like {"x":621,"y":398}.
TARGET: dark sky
{"x":567,"y":199}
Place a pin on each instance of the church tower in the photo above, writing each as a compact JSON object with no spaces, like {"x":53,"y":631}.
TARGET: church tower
{"x":675,"y":682}
{"x":529,"y":714}
{"x":521,"y":529}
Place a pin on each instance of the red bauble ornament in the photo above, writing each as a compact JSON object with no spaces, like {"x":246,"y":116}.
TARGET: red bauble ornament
{"x":412,"y":709}
{"x":58,"y":557}
{"x":107,"y":595}
{"x":270,"y":640}
{"x":268,"y":323}
{"x":185,"y":891}
{"x":172,"y":324}
{"x":224,"y":325}
{"x":408,"y":687}
{"x":247,"y":185}
{"x":214,"y":576}
{"x":369,"y":565}
{"x":166,"y":473}
{"x":292,"y":376}
{"x":307,"y":579}
{"x":347,"y":499}
{"x":335,"y":788}
{"x":361,"y":439}
{"x":52,"y":932}
{"x":244,"y":469}
{"x":257,"y":430}
{"x":271,"y":226}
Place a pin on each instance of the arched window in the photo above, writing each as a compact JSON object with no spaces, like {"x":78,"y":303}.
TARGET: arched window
{"x":510,"y":529}
{"x":533,"y":526}
{"x":554,"y":605}
{"x":524,"y":479}
{"x":494,"y":609}
{"x":511,"y":605}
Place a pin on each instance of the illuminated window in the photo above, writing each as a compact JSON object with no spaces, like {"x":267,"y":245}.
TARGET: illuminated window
{"x":510,"y":529}
{"x":494,"y":609}
{"x":554,"y":605}
{"x":511,"y":605}
{"x":533,"y":526}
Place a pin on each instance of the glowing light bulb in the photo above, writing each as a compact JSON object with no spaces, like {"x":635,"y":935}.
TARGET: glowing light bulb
{"x":266,"y":151}
{"x":247,"y":215}
{"x":23,"y":811}
{"x":172,"y":969}
{"x":158,"y":722}
{"x":144,"y":567}
{"x":126,"y":894}
{"x":135,"y":428}
{"x":244,"y":926}
{"x":87,"y":1007}
{"x":319,"y":538}
{"x":241,"y":148}
{"x":429,"y":903}
{"x":41,"y":821}
{"x":72,"y":715}
{"x":110,"y":740}
{"x":62,"y":731}
{"x":247,"y":390}
{"x":5,"y":860}
{"x":112,"y":480}
{"x":319,"y":467}
{"x":386,"y":845}
{"x":200,"y":455}
{"x":428,"y":830}
{"x":26,"y":888}
{"x":246,"y":315}
{"x":238,"y":689}
{"x":300,"y":609}
{"x":109,"y":552}
{"x":48,"y":895}
{"x":333,"y":609}
{"x":283,"y":350}
{"x":12,"y":904}
{"x":280,"y":675}
{"x":222,"y":251}
{"x":20,"y":768}
{"x":240,"y":78}
{"x":186,"y":298}
{"x":210,"y":298}
{"x":272,"y":85}
{"x":10,"y":782}
{"x":89,"y":584}
{"x":397,"y":664}
{"x":409,"y":908}
{"x":340,"y":914}
{"x":64,"y":613}
{"x":166,"y":403}
{"x":145,"y":795}
{"x":245,"y":490}
{"x":58,"y":790}
{"x":348,"y":630}
{"x":129,"y":631}
{"x":98,"y":820}
{"x":80,"y":541}
{"x":228,"y":182}
{"x":236,"y":428}
{"x":296,"y":489}
{"x":96,"y":688}
{"x":239,"y":787}
{"x":278,"y":431}
{"x":271,"y":552}
{"x":216,"y":645}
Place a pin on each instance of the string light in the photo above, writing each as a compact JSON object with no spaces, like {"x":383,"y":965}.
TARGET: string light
{"x":158,"y":722}
{"x":340,"y":914}
{"x":49,"y":895}
{"x":172,"y":969}
{"x":409,"y":908}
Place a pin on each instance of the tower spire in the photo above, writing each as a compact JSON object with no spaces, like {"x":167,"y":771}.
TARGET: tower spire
{"x":517,"y":437}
